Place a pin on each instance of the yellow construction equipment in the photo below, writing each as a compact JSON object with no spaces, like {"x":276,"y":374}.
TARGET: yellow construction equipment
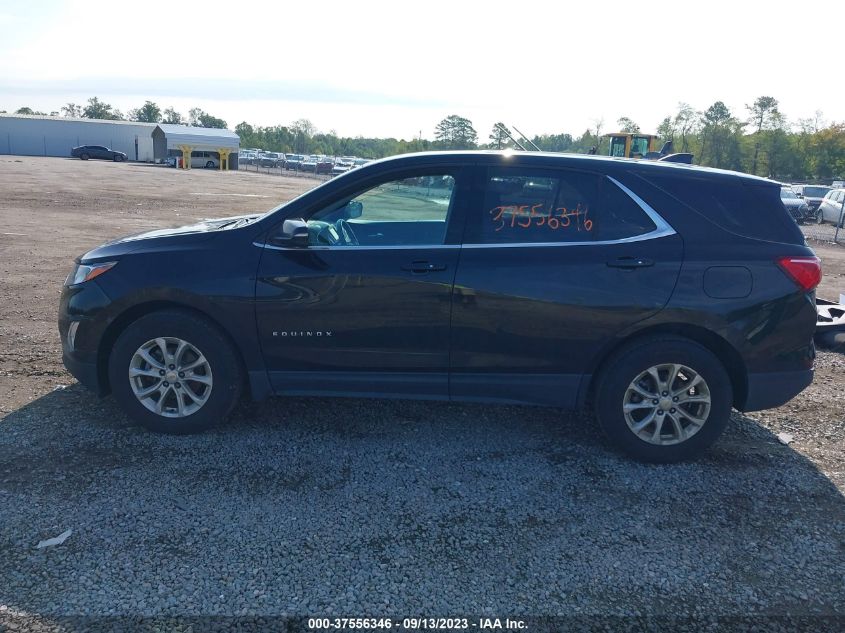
{"x":637,"y":145}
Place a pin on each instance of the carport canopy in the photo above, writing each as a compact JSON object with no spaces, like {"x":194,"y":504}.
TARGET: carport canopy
{"x":189,"y":139}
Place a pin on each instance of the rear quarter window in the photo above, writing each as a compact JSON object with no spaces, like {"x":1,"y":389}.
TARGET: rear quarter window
{"x":749,"y":209}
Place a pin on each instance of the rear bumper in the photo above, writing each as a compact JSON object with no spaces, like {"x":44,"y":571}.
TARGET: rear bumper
{"x":772,"y":389}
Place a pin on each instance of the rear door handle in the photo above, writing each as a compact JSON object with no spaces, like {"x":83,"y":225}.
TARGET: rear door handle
{"x":423,"y":267}
{"x":630,"y":263}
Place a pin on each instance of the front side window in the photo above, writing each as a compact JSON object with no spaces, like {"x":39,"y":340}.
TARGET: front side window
{"x":524,"y":207}
{"x":411,"y":211}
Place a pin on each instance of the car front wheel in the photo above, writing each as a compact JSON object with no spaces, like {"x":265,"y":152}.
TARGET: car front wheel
{"x":209,"y":164}
{"x":174,"y":372}
{"x":83,"y":156}
{"x":819,"y":217}
{"x":664,"y":399}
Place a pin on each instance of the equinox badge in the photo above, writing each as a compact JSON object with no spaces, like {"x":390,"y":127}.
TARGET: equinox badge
{"x":304,"y":333}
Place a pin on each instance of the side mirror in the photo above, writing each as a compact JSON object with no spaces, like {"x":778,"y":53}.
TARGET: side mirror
{"x":294,"y":234}
{"x":354,"y":209}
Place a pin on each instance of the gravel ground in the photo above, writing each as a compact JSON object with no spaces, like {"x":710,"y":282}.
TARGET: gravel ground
{"x":313,"y":507}
{"x":346,"y":506}
{"x":823,"y":233}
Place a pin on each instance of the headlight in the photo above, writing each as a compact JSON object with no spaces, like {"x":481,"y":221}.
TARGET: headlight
{"x":87,"y":272}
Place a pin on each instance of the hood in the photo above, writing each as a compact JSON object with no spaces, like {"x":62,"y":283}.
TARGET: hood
{"x":203,"y":229}
{"x":203,"y":226}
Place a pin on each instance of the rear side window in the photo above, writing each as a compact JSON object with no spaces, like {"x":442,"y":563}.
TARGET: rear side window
{"x":748,"y":209}
{"x":544,"y":206}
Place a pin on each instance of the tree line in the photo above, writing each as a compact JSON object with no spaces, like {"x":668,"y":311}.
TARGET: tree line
{"x":150,"y":112}
{"x":759,"y":140}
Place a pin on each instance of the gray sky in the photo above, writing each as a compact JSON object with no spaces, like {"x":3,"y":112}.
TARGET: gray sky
{"x":372,"y":68}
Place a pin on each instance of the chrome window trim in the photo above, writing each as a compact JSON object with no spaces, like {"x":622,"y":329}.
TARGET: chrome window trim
{"x":662,"y":229}
{"x":662,"y":225}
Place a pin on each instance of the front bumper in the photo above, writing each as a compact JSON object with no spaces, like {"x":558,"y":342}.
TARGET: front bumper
{"x":84,"y":305}
{"x":772,"y":389}
{"x":84,"y":370}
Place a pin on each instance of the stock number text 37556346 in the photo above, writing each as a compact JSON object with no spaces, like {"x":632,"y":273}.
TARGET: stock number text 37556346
{"x":525,"y":216}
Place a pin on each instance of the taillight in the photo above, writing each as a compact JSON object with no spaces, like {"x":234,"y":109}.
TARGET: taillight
{"x":805,"y":271}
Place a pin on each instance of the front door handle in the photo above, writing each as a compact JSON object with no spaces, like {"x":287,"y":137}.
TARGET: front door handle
{"x":629,"y":263}
{"x":423,"y":267}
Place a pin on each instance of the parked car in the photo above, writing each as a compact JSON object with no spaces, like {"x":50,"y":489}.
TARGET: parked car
{"x":270,"y":159}
{"x":342,"y":165}
{"x":797,"y":208}
{"x":812,"y":194}
{"x":309,"y":163}
{"x":294,"y":162}
{"x":245,"y":157}
{"x":97,"y":151}
{"x":209,"y":160}
{"x":830,"y":209}
{"x":324,"y":165}
{"x":658,"y":297}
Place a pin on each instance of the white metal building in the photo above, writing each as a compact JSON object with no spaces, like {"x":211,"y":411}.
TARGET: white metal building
{"x":171,"y":139}
{"x":38,"y":135}
{"x":34,"y":135}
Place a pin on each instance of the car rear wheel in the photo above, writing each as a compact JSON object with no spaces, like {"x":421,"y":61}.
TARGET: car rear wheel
{"x":174,"y":372}
{"x":664,"y":399}
{"x":819,"y":217}
{"x":84,"y":156}
{"x":209,"y":164}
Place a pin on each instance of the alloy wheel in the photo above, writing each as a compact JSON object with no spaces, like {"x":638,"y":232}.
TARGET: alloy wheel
{"x":666,"y":404}
{"x":170,"y":377}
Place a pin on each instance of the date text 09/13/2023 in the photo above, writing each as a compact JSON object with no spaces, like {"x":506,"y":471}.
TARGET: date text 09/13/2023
{"x":416,"y":624}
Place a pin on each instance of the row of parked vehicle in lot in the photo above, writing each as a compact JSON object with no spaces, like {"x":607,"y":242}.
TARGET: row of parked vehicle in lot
{"x":815,"y":203}
{"x":313,"y":163}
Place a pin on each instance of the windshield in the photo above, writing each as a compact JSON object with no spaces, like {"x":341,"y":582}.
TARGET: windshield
{"x":816,"y":192}
{"x":787,"y":193}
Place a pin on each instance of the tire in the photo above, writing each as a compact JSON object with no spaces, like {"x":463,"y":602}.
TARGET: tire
{"x":221,"y":373}
{"x":819,"y":217}
{"x":613,"y":390}
{"x":84,"y":156}
{"x":209,"y":164}
{"x":118,"y":158}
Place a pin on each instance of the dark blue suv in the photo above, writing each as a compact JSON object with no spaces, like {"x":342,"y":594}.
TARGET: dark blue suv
{"x":658,"y":295}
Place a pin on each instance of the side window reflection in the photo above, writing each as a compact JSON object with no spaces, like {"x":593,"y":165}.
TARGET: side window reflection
{"x":407,"y":211}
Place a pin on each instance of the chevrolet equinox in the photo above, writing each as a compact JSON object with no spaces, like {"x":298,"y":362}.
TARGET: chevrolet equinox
{"x":657,"y":295}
